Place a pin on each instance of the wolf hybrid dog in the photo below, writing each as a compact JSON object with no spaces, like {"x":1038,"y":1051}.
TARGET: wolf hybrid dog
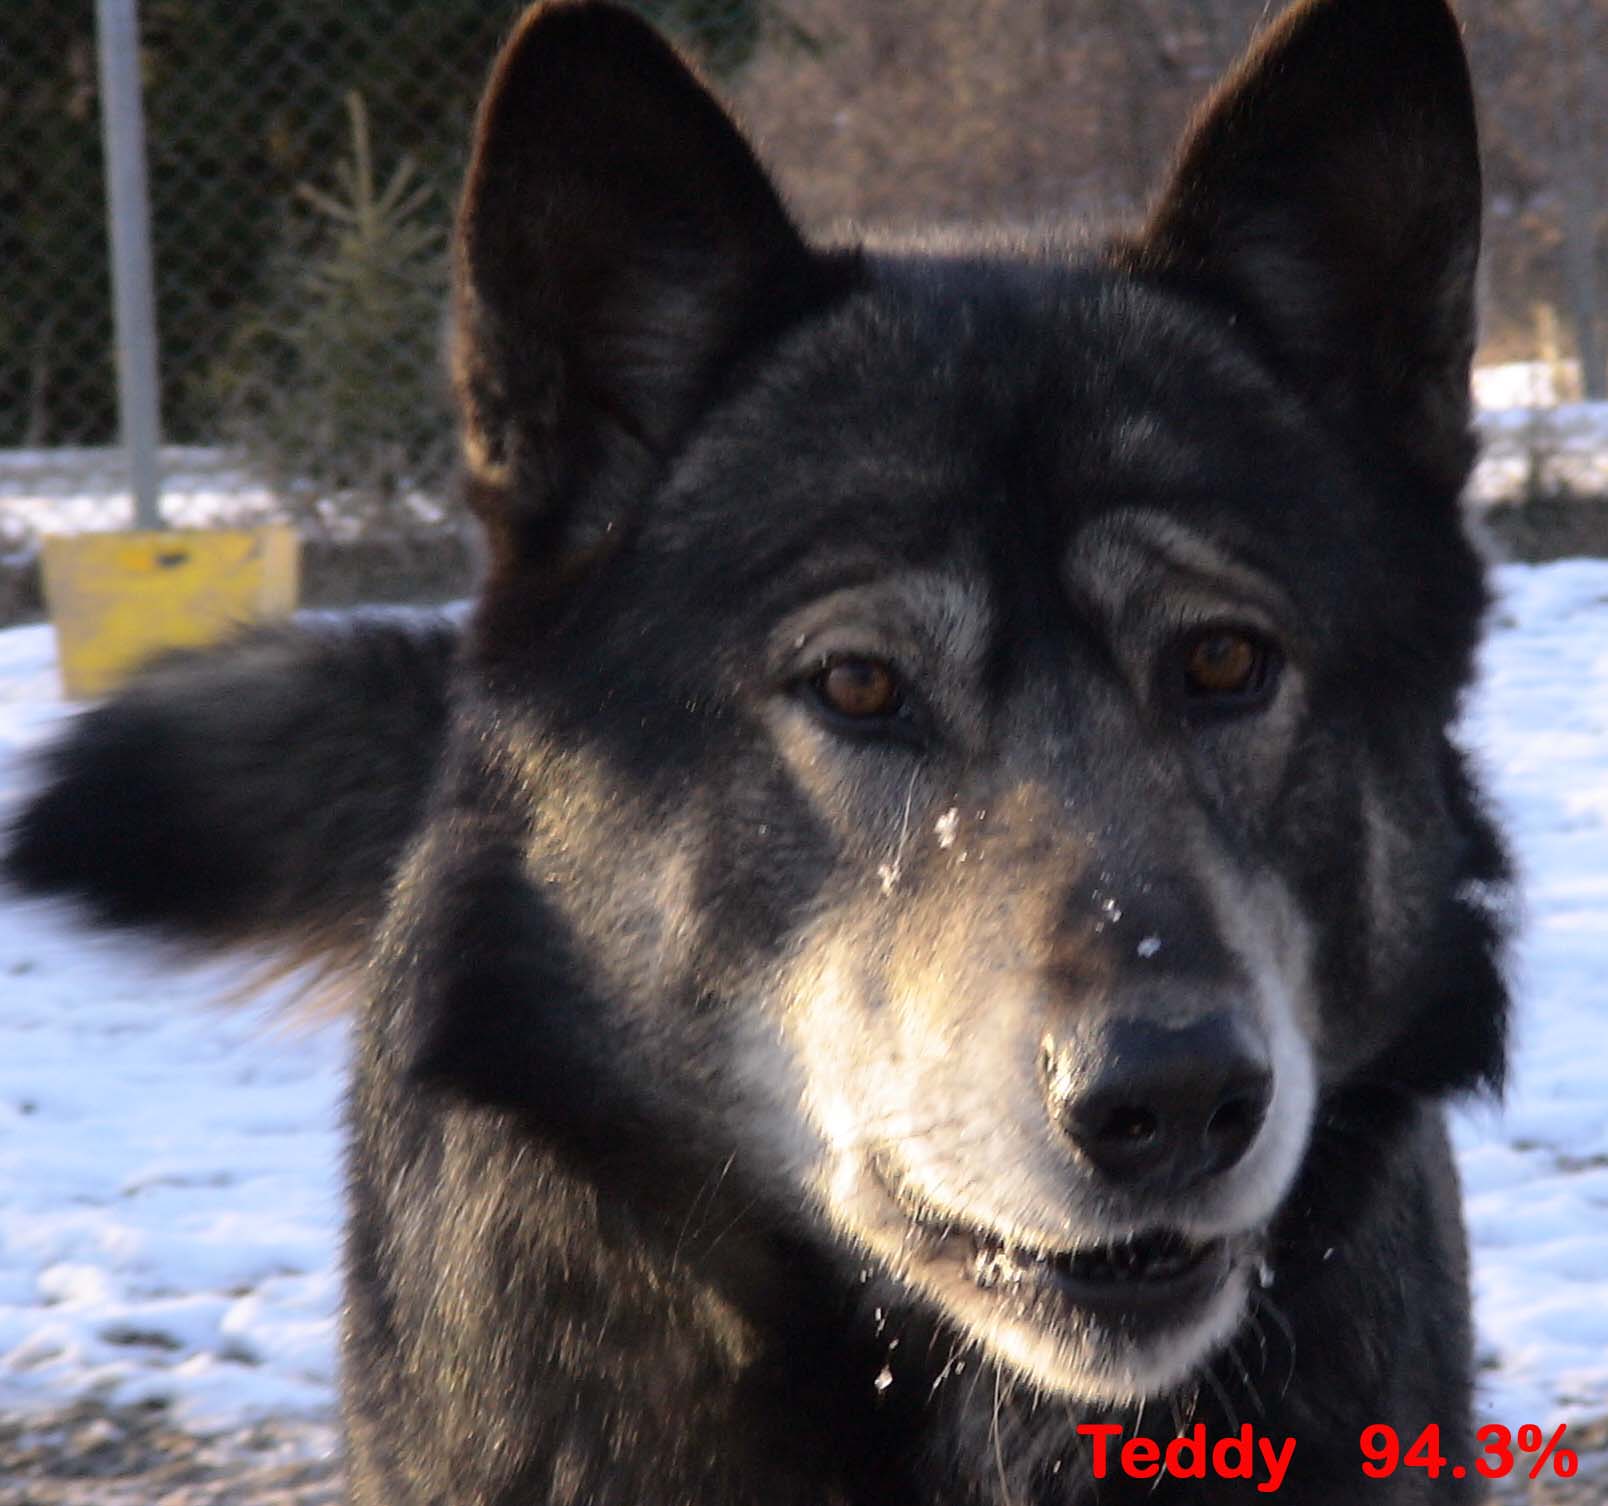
{"x":922,"y":928}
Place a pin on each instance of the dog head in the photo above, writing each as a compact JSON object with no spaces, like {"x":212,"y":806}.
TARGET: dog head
{"x":957,"y":734}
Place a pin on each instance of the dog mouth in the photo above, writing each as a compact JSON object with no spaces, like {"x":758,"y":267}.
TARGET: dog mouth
{"x":1156,"y":1267}
{"x":1152,"y":1278}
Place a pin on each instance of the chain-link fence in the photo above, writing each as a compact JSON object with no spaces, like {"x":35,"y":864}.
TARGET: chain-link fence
{"x":303,"y":156}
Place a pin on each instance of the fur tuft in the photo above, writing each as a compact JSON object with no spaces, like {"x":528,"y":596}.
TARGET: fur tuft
{"x":257,"y":793}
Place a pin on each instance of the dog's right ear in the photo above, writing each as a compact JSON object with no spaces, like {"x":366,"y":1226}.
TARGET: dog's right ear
{"x":1330,"y":193}
{"x":618,"y":246}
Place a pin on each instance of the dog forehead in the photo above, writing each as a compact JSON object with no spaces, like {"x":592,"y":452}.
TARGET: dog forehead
{"x":978,"y":406}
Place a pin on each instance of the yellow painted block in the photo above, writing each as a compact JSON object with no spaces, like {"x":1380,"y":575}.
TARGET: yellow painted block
{"x":116,"y":599}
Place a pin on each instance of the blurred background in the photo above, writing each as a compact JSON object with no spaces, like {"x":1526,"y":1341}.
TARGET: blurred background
{"x":303,"y":157}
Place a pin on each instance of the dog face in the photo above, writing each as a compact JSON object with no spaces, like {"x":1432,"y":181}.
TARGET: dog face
{"x":942,"y":717}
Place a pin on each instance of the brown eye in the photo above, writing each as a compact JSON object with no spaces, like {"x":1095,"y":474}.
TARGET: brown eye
{"x":1223,"y":664}
{"x":859,"y":689}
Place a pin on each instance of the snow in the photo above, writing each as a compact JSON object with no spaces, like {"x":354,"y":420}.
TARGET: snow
{"x":1536,"y":1178}
{"x":1562,"y":448}
{"x":86,"y":490}
{"x":1526,"y":384}
{"x":169,"y":1171}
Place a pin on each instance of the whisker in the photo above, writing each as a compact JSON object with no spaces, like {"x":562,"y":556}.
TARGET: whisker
{"x":1284,"y":1327}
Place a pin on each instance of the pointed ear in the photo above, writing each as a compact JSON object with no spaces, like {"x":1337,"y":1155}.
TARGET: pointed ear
{"x":1330,"y":193}
{"x":617,"y":247}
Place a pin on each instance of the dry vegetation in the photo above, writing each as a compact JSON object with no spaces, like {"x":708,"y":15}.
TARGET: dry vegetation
{"x":1028,"y":109}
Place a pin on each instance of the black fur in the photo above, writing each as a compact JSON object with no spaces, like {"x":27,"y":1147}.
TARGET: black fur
{"x":168,"y":808}
{"x":604,"y":857}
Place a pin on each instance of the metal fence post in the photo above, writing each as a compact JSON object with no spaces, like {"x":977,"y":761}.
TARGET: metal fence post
{"x":129,"y":216}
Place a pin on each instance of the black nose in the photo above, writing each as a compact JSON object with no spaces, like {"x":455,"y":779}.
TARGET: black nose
{"x":1161,"y":1109}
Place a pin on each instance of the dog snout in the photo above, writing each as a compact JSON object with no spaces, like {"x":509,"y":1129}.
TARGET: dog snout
{"x":1160,"y":1109}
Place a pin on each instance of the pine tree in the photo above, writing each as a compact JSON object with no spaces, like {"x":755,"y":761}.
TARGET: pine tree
{"x":334,"y":386}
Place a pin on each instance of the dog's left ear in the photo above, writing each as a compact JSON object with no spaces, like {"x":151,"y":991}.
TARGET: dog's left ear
{"x":1329,"y":192}
{"x":617,"y":247}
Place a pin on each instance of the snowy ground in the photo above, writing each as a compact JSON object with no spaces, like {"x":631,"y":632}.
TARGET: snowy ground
{"x":169,"y":1172}
{"x":87,"y":490}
